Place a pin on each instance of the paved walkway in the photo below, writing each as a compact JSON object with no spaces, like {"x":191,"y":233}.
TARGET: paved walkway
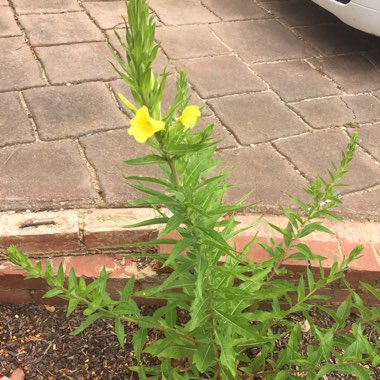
{"x":283,"y":80}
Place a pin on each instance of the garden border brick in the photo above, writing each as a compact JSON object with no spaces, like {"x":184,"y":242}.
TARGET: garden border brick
{"x":87,"y":239}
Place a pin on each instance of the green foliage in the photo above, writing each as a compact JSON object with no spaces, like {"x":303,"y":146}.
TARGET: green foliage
{"x":231,"y":332}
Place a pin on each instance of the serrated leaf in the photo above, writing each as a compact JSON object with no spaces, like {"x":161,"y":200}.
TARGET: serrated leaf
{"x":205,"y":357}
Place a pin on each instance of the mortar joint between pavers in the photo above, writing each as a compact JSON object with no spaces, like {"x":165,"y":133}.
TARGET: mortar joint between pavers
{"x":30,"y":116}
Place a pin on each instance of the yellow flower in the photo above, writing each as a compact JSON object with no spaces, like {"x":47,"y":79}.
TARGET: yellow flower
{"x":190,"y":116}
{"x":143,"y":126}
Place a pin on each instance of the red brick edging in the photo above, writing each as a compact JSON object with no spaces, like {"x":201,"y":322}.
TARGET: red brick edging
{"x":87,"y":240}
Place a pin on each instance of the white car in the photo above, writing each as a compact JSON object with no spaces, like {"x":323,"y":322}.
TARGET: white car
{"x":360,"y":14}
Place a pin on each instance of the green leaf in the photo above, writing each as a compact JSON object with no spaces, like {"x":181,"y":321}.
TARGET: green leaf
{"x":146,"y":160}
{"x":148,"y":179}
{"x":86,"y":323}
{"x":371,"y":289}
{"x":205,"y":357}
{"x":120,"y":333}
{"x":312,"y":227}
{"x":73,"y":303}
{"x":52,"y":293}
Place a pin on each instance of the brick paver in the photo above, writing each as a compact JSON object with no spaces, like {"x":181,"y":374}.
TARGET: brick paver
{"x":45,"y":6}
{"x":18,"y":68}
{"x":284,"y":82}
{"x":12,"y":114}
{"x":313,"y":153}
{"x":8,"y":25}
{"x":40,"y":174}
{"x":228,"y":76}
{"x":71,"y":111}
{"x":73,"y":27}
{"x":107,"y":14}
{"x":296,"y":80}
{"x":257,"y":117}
{"x":77,"y":62}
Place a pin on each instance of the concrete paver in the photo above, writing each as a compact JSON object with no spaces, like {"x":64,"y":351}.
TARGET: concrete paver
{"x":73,"y":27}
{"x":76,"y":63}
{"x":334,"y":38}
{"x":313,"y":153}
{"x":254,"y":163}
{"x":223,"y":75}
{"x":298,"y":12}
{"x":45,"y":6}
{"x":235,"y":10}
{"x":189,"y":41}
{"x":296,"y":80}
{"x":351,"y":72}
{"x":190,"y":12}
{"x":282,"y":80}
{"x":16,"y":60}
{"x":257,"y":117}
{"x":8,"y":25}
{"x":369,"y":139}
{"x":261,"y":40}
{"x":12,"y":114}
{"x":107,"y":14}
{"x":46,"y":173}
{"x":71,"y":111}
{"x":366,"y":108}
{"x":107,"y":152}
{"x":323,"y":113}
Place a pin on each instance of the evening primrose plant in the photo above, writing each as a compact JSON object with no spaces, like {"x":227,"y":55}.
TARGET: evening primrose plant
{"x":240,"y":314}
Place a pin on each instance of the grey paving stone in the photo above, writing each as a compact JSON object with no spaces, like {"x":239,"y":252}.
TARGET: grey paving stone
{"x":107,"y":14}
{"x":78,"y":62}
{"x":261,"y":40}
{"x":73,"y":27}
{"x":16,"y":59}
{"x":71,"y":111}
{"x":174,"y":12}
{"x":14,"y":124}
{"x":312,"y":154}
{"x":256,"y":118}
{"x":189,"y":41}
{"x":377,"y":94}
{"x":365,"y":107}
{"x":169,"y":94}
{"x":352,"y":72}
{"x":264,"y":171}
{"x":3,"y":2}
{"x":107,"y":152}
{"x":334,"y":38}
{"x":235,"y":10}
{"x":323,"y":113}
{"x":299,"y":12}
{"x":365,"y":205}
{"x":8,"y":25}
{"x":160,"y":63}
{"x":223,"y":75}
{"x":45,"y":6}
{"x":295,"y":80}
{"x":44,"y":175}
{"x":369,"y":137}
{"x":220,"y":132}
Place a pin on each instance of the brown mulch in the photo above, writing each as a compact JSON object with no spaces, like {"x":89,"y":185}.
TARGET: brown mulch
{"x":36,"y":338}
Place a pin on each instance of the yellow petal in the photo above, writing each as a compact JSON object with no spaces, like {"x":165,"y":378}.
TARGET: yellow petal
{"x":143,"y":126}
{"x":190,"y":116}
